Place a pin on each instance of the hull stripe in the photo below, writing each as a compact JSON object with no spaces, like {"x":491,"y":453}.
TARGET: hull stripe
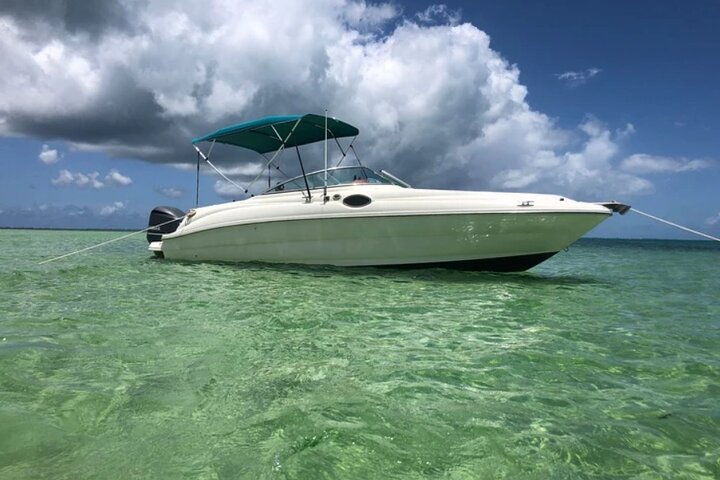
{"x":518,"y":263}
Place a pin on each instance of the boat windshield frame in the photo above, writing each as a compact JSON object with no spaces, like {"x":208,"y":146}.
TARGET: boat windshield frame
{"x":336,"y":176}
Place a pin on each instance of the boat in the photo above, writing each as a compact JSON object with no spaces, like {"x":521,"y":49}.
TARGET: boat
{"x":353,"y":216}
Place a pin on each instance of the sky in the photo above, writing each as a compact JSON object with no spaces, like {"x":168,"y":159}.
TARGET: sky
{"x":593,"y":100}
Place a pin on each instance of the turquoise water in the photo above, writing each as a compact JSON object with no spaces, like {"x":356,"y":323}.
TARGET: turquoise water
{"x":604,"y":362}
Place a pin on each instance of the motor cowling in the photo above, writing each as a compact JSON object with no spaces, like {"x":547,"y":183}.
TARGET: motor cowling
{"x":159,"y":216}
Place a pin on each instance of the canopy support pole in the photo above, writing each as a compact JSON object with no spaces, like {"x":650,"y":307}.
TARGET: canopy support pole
{"x":277,"y":167}
{"x":197,"y":181}
{"x":355,"y":153}
{"x":216,"y":169}
{"x":326,"y":160}
{"x":302,"y":168}
{"x":277,"y":152}
{"x":344,"y":152}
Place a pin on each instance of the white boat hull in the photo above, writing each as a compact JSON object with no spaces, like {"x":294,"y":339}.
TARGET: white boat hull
{"x":484,"y":240}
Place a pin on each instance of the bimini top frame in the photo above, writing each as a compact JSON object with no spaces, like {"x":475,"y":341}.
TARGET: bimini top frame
{"x":274,"y":134}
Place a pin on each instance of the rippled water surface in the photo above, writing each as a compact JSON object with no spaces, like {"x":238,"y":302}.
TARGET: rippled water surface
{"x":604,"y":362}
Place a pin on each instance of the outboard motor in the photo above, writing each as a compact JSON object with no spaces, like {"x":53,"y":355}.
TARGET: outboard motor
{"x":161,"y":215}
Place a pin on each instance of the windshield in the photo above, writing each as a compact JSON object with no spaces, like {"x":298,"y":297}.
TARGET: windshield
{"x":335,"y":176}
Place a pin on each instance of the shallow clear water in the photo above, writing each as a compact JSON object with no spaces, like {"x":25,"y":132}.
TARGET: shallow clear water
{"x":601,"y":363}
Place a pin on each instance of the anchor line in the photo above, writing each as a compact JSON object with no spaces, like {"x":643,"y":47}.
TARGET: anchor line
{"x":675,"y":225}
{"x":109,"y":241}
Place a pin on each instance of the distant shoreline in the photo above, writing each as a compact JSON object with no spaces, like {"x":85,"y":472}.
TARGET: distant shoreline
{"x":68,"y":229}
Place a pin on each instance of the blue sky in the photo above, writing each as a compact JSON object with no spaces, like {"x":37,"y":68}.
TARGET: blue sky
{"x":592,"y":100}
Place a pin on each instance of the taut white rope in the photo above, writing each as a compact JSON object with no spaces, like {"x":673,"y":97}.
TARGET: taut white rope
{"x":108,"y":241}
{"x":675,"y":225}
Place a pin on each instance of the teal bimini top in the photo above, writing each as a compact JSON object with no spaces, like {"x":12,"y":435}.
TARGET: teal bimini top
{"x":262,"y":135}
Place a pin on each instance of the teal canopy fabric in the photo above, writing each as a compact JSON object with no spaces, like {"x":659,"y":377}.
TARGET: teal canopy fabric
{"x":259,"y":135}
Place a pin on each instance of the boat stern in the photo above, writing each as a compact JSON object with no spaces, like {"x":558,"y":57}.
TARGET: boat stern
{"x":163,"y":220}
{"x":156,"y":248}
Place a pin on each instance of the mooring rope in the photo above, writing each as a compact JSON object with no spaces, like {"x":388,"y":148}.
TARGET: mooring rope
{"x":109,"y":241}
{"x":675,"y":225}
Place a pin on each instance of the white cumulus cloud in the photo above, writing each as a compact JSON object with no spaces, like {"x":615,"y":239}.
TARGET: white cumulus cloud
{"x":575,"y":79}
{"x":113,"y":178}
{"x":118,"y":179}
{"x":48,"y":155}
{"x":112,"y":209}
{"x":65,"y":177}
{"x":587,"y":169}
{"x":245,"y":170}
{"x":171,"y":192}
{"x":642,"y":163}
{"x":227,"y":190}
{"x":439,"y":14}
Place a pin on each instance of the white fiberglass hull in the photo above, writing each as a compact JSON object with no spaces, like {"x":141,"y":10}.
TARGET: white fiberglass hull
{"x":400,"y":227}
